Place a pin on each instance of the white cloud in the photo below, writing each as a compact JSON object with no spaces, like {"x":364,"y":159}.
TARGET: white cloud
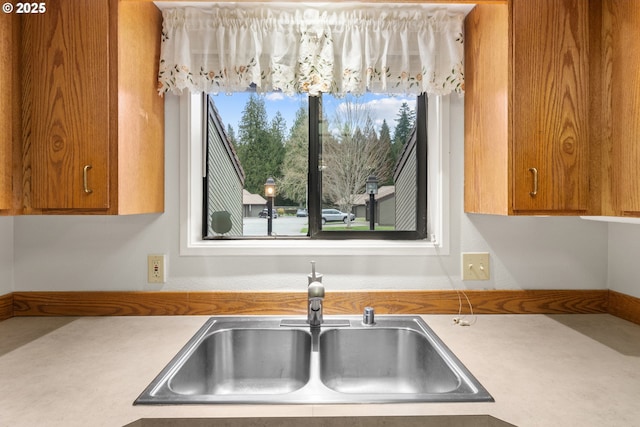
{"x":388,"y":108}
{"x":274,"y":96}
{"x":383,"y":107}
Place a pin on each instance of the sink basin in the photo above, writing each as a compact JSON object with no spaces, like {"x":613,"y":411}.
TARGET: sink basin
{"x":259,"y":359}
{"x":384,"y":360}
{"x":245,"y":361}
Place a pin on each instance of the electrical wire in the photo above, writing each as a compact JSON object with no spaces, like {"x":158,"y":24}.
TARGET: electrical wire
{"x":460,"y":319}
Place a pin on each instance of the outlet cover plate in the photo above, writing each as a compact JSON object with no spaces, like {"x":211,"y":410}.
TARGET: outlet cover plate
{"x":156,"y":272}
{"x":475,"y":266}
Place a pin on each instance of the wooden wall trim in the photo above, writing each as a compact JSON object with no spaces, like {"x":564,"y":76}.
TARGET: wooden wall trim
{"x":290,"y":303}
{"x":337,"y":302}
{"x":368,"y":1}
{"x":6,"y":306}
{"x":624,"y":306}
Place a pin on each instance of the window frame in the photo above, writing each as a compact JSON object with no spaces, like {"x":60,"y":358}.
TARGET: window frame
{"x":192,"y":164}
{"x":315,"y":181}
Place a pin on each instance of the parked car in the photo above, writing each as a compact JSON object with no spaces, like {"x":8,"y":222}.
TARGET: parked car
{"x":265,"y":213}
{"x":302,"y":213}
{"x":329,"y":215}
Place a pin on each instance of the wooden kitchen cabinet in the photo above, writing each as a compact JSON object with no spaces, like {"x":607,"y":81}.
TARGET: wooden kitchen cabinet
{"x":10,"y":135}
{"x":621,"y":107}
{"x":527,"y":108}
{"x":93,"y":123}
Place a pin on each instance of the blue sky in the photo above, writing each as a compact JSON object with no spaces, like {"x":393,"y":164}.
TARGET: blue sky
{"x":381,"y":107}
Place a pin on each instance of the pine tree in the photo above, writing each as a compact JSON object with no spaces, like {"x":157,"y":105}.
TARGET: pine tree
{"x":259,"y":145}
{"x":385,"y":144}
{"x":296,"y":160}
{"x":231,"y":134}
{"x":404,"y":126}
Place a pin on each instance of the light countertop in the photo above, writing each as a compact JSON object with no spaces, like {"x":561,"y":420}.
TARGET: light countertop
{"x":560,"y":370}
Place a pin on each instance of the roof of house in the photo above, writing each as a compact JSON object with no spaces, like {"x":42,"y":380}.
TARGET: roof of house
{"x":219,"y":127}
{"x":383,"y":192}
{"x":404,"y":155}
{"x":252,"y":199}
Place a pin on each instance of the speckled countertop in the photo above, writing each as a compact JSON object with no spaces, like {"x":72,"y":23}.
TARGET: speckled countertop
{"x":561,"y":370}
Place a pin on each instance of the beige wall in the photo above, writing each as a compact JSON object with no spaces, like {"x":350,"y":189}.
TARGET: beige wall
{"x":6,"y":255}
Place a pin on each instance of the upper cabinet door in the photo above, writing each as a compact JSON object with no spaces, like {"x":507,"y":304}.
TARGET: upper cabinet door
{"x":550,"y":93}
{"x":527,"y":111}
{"x":9,"y":105}
{"x":622,"y":57}
{"x":66,"y":104}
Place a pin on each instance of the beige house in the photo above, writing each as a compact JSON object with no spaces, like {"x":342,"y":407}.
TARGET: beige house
{"x":252,"y":204}
{"x":385,"y":205}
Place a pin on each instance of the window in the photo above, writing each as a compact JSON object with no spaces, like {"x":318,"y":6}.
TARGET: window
{"x":358,"y":49}
{"x":193,"y":182}
{"x":345,"y":168}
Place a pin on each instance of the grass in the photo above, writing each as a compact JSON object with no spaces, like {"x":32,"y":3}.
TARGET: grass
{"x":357,"y":225}
{"x":358,"y":228}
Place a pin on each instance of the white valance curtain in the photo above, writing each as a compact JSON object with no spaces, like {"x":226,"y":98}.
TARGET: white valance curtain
{"x":312,"y":48}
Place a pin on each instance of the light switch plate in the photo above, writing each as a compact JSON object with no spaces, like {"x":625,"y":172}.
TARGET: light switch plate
{"x":475,"y":266}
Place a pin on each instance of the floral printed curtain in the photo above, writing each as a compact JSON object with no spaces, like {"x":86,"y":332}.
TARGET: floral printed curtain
{"x":311,"y":48}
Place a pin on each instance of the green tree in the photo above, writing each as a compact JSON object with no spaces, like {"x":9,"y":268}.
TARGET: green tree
{"x":278,"y":127}
{"x":260,"y":146}
{"x":295,"y":167}
{"x":231,"y":134}
{"x":385,"y":144}
{"x":275,"y":148}
{"x":404,"y":126}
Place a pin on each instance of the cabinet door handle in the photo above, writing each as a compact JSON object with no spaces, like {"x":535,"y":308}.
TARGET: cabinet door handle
{"x":534,"y":172}
{"x":85,"y":172}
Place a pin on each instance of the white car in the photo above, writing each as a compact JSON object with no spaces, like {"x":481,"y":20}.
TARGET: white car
{"x":329,"y":215}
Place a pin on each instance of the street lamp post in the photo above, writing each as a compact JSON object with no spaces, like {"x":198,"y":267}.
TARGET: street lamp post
{"x":270,"y":192}
{"x":372,"y":189}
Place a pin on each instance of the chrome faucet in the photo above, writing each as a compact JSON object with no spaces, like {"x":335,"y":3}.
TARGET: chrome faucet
{"x":315,"y":298}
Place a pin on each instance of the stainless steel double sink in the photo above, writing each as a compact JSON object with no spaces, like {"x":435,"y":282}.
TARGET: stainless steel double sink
{"x":259,"y":359}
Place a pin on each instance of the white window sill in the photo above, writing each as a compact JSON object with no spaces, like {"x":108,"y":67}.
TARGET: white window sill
{"x":305,"y":247}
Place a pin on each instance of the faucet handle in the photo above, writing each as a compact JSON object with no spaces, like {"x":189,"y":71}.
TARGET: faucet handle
{"x":314,"y":277}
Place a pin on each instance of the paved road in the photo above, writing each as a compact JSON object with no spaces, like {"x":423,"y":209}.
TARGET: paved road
{"x":282,"y":226}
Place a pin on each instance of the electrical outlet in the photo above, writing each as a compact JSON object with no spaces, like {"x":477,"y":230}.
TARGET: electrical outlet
{"x":156,"y":272}
{"x":475,"y":266}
